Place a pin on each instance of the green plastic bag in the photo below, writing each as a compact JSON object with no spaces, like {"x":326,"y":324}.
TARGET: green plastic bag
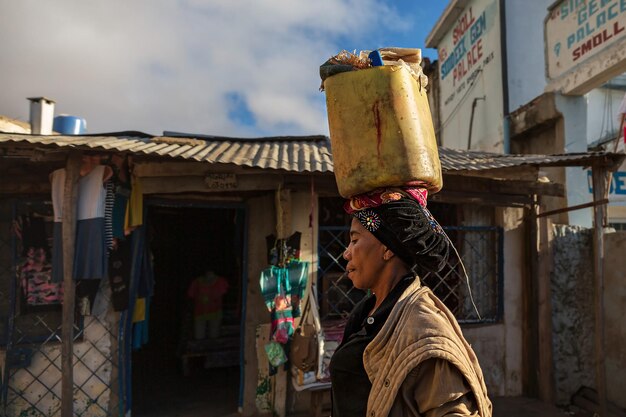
{"x":275,"y":354}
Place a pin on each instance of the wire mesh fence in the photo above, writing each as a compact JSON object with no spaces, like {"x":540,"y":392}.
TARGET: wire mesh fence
{"x":31,"y":380}
{"x":476,"y":298}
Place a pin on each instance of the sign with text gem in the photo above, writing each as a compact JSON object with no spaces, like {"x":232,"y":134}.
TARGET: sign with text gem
{"x":221,"y":181}
{"x":576,"y":30}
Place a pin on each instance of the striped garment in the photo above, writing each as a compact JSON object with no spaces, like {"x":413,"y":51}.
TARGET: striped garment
{"x":108,"y":214}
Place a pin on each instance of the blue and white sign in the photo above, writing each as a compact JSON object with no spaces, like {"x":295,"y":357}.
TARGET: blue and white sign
{"x":617,"y":188}
{"x":576,"y":30}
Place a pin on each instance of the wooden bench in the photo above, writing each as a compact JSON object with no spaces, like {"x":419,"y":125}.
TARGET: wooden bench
{"x":317,"y":400}
{"x":220,"y":352}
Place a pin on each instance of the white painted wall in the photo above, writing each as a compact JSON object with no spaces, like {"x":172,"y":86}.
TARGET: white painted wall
{"x":602,"y":113}
{"x":473,"y":71}
{"x":499,"y":347}
{"x":525,"y":52}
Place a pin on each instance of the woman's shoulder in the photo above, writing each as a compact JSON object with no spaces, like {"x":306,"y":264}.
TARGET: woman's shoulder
{"x":424,"y":311}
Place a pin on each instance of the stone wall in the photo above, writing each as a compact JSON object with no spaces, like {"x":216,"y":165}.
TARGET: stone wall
{"x":572,"y":310}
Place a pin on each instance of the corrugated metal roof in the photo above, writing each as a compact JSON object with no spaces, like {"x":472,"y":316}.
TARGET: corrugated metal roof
{"x":296,"y":154}
{"x":461,"y":160}
{"x":299,"y":154}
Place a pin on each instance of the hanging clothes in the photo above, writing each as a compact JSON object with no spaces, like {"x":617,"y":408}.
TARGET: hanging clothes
{"x":90,"y":260}
{"x":35,"y":279}
{"x":142,"y":277}
{"x":57,"y":179}
{"x":119,"y":274}
{"x":282,"y":289}
{"x":281,"y":252}
{"x":109,"y":201}
{"x":207,"y":292}
{"x":134,"y":209}
{"x":122,"y":195}
{"x":90,"y":253}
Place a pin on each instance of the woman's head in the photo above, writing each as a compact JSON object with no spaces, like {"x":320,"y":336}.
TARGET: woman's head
{"x":405,"y":227}
{"x":368,"y":258}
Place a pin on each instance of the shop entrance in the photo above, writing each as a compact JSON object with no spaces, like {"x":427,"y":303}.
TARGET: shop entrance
{"x":190,"y":364}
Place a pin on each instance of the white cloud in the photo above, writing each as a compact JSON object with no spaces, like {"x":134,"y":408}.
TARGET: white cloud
{"x":155,"y":65}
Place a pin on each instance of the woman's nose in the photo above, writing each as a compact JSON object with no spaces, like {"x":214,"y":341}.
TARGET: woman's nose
{"x":346,"y":254}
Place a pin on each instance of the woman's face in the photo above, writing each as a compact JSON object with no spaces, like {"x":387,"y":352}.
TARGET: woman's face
{"x":365,"y":257}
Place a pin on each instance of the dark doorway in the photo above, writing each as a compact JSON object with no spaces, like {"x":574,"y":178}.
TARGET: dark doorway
{"x":191,"y":362}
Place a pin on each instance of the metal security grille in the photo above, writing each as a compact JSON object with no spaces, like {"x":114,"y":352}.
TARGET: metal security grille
{"x":481,"y":249}
{"x":338,"y":296}
{"x":32,"y":372}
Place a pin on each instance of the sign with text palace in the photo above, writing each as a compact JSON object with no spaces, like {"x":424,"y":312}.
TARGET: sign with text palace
{"x":471,"y":76}
{"x":577,"y":30}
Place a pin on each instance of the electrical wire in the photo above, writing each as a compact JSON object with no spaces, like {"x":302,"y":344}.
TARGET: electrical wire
{"x":469,"y":288}
{"x":461,"y":101}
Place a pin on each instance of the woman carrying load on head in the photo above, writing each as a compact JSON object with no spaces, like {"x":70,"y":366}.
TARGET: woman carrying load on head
{"x":403,"y":353}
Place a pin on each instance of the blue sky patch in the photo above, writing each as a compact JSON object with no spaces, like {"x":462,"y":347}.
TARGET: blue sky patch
{"x":238,"y":110}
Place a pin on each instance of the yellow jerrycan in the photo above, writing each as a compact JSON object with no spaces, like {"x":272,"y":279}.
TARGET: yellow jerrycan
{"x":381,"y":131}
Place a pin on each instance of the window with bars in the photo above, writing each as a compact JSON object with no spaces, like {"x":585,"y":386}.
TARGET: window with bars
{"x":475,"y":298}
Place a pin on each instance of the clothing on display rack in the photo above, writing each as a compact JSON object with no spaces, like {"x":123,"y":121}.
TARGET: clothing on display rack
{"x":34,"y":268}
{"x":122,"y":191}
{"x":207,"y":292}
{"x":90,"y":254}
{"x":109,"y":201}
{"x":281,"y":252}
{"x":134,"y":208}
{"x":119,"y":274}
{"x":35,"y":279}
{"x":282,"y":289}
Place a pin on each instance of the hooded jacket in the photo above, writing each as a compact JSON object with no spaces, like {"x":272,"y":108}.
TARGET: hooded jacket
{"x":420,"y":327}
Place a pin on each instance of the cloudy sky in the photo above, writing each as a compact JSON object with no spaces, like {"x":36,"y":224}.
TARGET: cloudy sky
{"x":218,"y":67}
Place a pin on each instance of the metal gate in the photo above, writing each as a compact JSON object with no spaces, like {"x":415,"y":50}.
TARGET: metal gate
{"x":31,"y":375}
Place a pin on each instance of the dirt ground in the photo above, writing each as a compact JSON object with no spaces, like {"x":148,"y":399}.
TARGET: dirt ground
{"x":515,"y":407}
{"x":214,"y":393}
{"x":527,"y":407}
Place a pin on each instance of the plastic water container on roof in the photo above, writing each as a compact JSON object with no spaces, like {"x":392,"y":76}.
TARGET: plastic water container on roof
{"x":381,"y":131}
{"x":69,"y":125}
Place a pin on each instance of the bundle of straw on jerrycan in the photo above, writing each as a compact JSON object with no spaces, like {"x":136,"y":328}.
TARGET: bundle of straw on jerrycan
{"x":381,"y":129}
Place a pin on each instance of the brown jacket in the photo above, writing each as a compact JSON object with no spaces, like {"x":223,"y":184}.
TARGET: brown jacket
{"x":420,"y":327}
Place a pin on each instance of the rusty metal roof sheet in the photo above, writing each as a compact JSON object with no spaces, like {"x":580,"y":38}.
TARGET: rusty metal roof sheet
{"x":462,"y":160}
{"x":291,"y":153}
{"x":296,"y":154}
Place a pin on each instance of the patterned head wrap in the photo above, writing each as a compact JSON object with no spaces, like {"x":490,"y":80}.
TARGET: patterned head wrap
{"x":398,"y":218}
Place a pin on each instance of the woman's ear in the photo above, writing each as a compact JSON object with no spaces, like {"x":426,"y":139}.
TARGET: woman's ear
{"x":388,"y":254}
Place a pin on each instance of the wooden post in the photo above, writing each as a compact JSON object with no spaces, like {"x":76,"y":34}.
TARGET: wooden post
{"x":545,"y":361}
{"x":283,"y":213}
{"x":599,"y":174}
{"x":283,"y":230}
{"x":70,"y":196}
{"x":530,"y":332}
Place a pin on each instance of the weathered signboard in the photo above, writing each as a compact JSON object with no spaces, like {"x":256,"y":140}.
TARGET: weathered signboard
{"x":577,"y":32}
{"x":221,"y":182}
{"x":471,"y":69}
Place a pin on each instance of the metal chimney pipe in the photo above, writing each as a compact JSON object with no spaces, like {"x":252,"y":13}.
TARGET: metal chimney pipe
{"x":41,"y":115}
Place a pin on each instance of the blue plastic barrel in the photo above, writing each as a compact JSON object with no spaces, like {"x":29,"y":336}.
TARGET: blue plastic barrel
{"x":69,"y":125}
